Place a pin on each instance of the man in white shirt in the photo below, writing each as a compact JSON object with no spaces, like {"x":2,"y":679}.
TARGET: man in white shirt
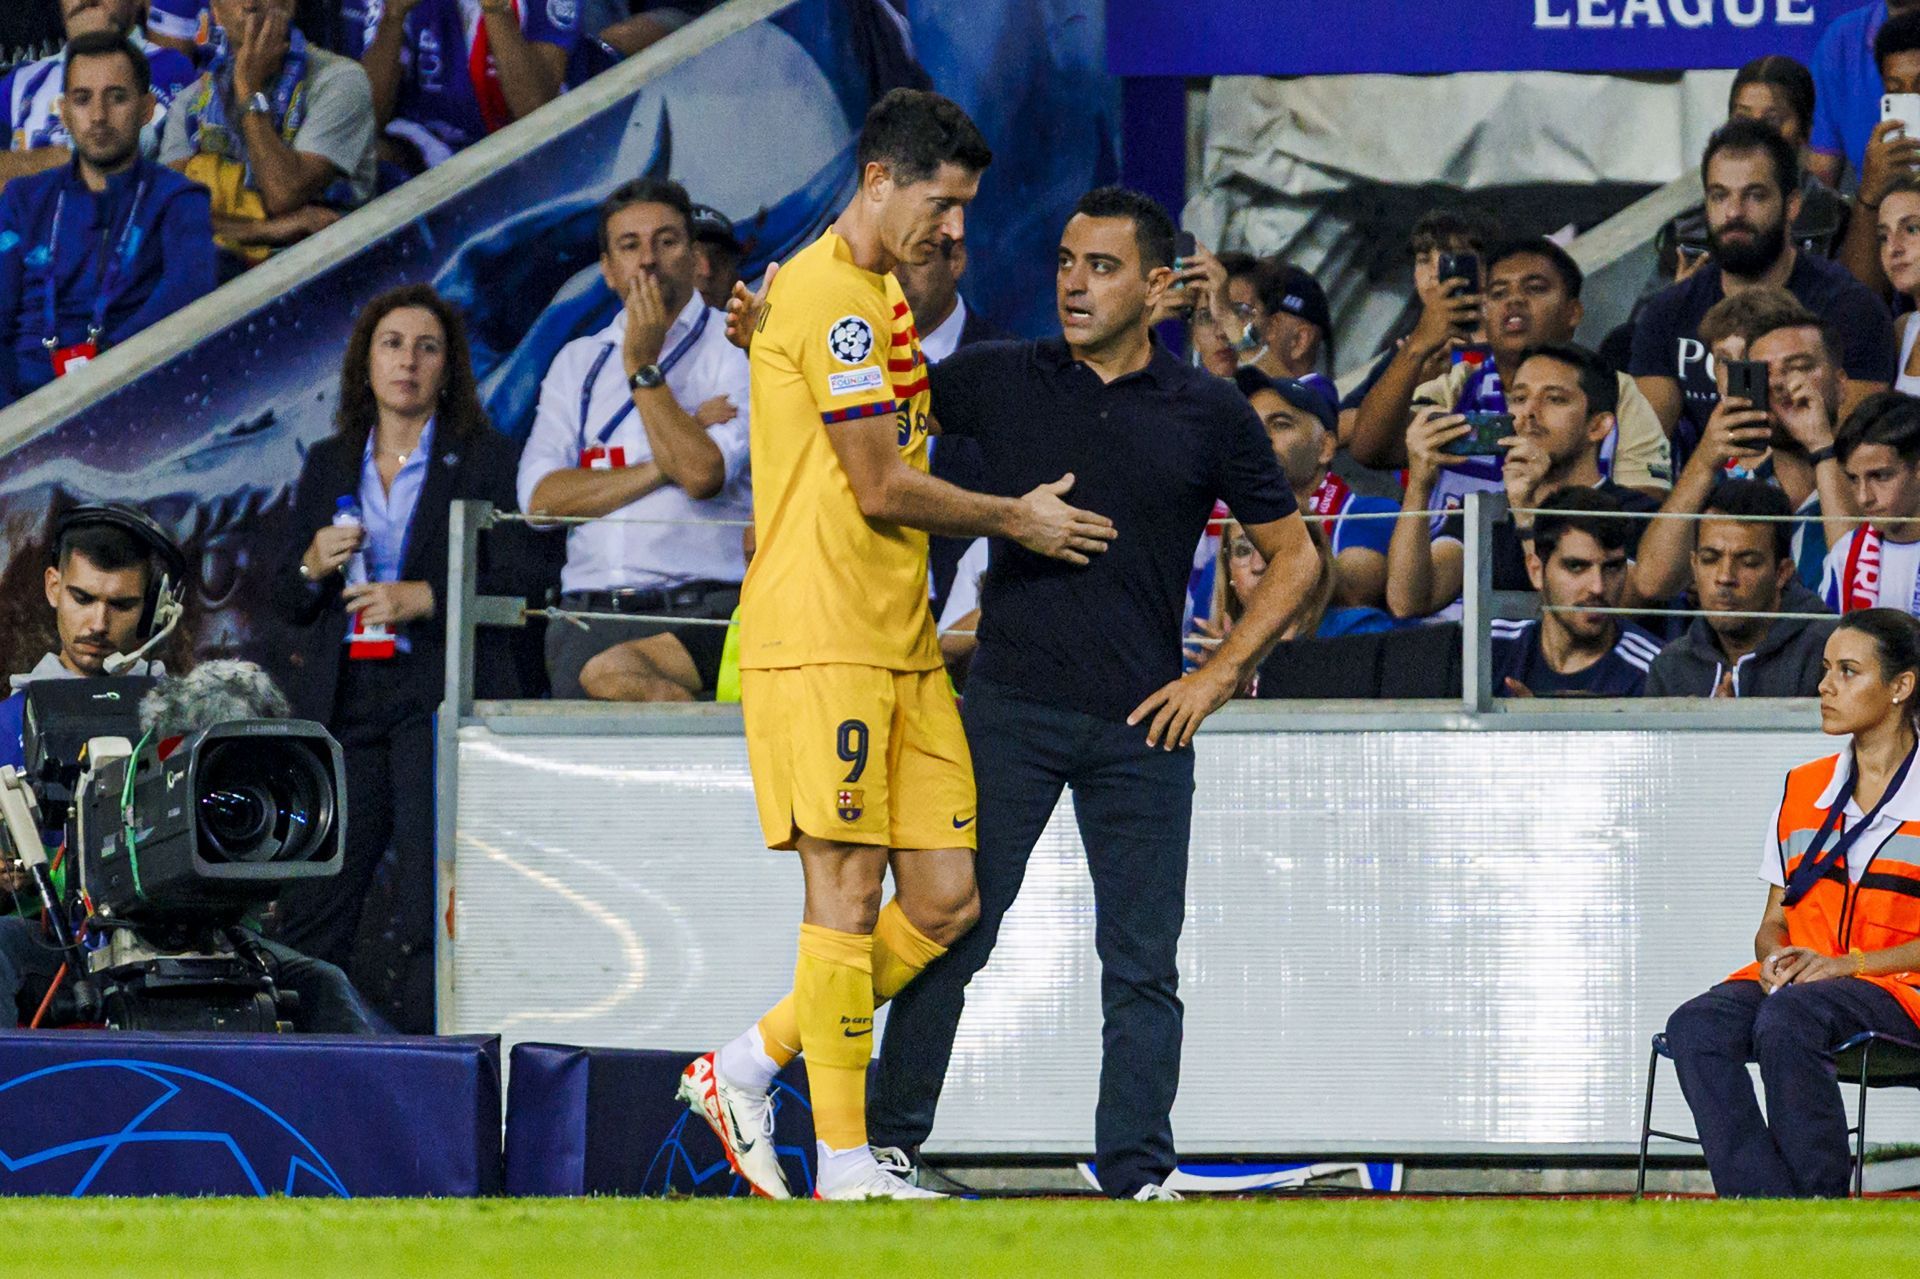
{"x":1877,"y":564}
{"x":645,"y":420}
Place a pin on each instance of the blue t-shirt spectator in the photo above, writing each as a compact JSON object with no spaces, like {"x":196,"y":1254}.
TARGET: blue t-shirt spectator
{"x":30,"y":96}
{"x":1622,"y":672}
{"x":1846,"y":83}
{"x":121,"y":259}
{"x":449,"y":93}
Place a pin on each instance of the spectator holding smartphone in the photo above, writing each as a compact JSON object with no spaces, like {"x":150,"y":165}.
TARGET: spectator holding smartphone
{"x":1439,"y":231}
{"x":1893,"y":147}
{"x":1532,"y":298}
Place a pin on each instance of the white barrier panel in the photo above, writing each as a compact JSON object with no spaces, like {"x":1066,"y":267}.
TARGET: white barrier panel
{"x":1396,"y":940}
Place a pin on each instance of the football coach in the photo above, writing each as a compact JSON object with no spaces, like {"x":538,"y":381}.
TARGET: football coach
{"x":1077,"y":679}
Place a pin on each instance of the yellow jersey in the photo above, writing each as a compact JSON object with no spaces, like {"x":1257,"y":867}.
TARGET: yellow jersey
{"x":828,"y":585}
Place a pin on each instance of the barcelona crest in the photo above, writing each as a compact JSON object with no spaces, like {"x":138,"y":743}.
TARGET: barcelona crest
{"x":850,"y":803}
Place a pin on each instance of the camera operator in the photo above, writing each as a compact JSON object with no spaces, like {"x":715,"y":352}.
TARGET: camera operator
{"x":113,"y":567}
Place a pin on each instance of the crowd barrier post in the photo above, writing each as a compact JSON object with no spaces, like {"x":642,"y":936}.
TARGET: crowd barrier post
{"x":1477,"y":604}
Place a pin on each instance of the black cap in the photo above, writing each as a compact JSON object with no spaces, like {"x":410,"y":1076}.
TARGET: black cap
{"x":1304,"y":396}
{"x":714,"y":227}
{"x":1296,"y":292}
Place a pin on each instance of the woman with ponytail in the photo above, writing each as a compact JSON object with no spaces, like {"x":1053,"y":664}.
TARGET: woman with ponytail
{"x":1836,"y":953}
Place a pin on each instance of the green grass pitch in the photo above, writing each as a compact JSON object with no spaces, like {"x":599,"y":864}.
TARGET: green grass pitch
{"x":158,"y":1239}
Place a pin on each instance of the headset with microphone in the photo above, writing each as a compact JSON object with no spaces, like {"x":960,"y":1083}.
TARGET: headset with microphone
{"x":166,"y":596}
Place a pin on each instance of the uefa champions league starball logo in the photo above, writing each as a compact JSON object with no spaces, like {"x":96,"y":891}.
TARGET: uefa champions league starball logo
{"x":850,"y":339}
{"x":120,"y":1126}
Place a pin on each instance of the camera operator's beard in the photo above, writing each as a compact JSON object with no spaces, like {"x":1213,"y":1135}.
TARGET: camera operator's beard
{"x":1753,"y":258}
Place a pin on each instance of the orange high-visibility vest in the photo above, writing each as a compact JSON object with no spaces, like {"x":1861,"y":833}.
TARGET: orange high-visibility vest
{"x":1881,"y":911}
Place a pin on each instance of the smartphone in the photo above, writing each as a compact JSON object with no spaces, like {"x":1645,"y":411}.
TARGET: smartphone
{"x":1461,"y":266}
{"x":1184,"y":247}
{"x":1747,"y":379}
{"x":1691,"y":254}
{"x":1904,"y":107}
{"x":1485,"y":431}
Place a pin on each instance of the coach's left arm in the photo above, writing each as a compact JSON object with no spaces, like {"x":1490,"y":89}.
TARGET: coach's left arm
{"x":1293,"y":570}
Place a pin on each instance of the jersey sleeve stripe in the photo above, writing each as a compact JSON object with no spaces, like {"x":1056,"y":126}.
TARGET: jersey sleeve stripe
{"x":902,"y":366}
{"x":899,"y":309}
{"x":902,"y":339}
{"x":907,"y":392}
{"x":879,"y":408}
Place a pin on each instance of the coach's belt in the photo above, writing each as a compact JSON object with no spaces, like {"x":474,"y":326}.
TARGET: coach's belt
{"x":687,"y":595}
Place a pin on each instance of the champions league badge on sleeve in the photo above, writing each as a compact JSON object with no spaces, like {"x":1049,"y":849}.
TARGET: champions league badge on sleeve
{"x":850,"y":339}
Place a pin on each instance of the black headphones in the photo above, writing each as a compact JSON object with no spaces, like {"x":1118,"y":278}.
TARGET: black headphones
{"x":166,"y":580}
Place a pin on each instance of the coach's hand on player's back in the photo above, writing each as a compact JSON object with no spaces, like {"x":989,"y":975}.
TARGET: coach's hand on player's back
{"x":1052,"y":528}
{"x":745,"y":306}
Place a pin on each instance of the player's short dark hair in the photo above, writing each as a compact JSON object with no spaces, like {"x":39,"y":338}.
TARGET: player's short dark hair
{"x":1572,"y":278}
{"x":1152,"y":229}
{"x":1598,"y":382}
{"x":645,"y":191}
{"x":1756,"y":497}
{"x":1439,"y":228}
{"x":1742,"y":137}
{"x":1891,"y":418}
{"x":106,"y":547}
{"x":1790,"y":77}
{"x":914,"y":132}
{"x":1584,"y":510}
{"x":105,"y":44}
{"x":1896,"y":35}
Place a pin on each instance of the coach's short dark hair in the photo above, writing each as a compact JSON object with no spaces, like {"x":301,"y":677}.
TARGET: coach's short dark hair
{"x":104,"y":44}
{"x":1598,"y":382}
{"x":1756,"y":497}
{"x":914,"y":132}
{"x":1744,"y":136}
{"x":1891,"y":418}
{"x":645,"y":191}
{"x":1586,"y":510}
{"x":1152,"y":228}
{"x":1572,"y":278}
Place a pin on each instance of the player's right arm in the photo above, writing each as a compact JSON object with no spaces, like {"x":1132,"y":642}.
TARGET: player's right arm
{"x":889,"y":490}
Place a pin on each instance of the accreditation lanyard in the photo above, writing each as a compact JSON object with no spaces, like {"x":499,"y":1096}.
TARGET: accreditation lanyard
{"x":109,"y":277}
{"x":1814,"y":865}
{"x":598,"y":456}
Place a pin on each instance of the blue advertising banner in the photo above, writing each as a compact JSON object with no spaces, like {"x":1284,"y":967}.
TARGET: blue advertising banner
{"x":605,"y":1121}
{"x":761,"y":125}
{"x":1309,"y":37}
{"x":93,"y":1113}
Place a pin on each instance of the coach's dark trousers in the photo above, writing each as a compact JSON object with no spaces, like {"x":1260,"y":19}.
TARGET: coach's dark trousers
{"x":1134,"y":807}
{"x":1799,"y":1148}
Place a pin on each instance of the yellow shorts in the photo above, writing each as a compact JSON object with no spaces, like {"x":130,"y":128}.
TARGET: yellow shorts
{"x":858,"y":755}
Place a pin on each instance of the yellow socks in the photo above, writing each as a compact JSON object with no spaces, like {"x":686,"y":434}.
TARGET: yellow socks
{"x":833,"y":999}
{"x":900,"y":952}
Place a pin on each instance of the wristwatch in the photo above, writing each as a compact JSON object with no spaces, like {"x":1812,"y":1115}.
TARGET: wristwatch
{"x":258,"y":104}
{"x":645,"y":378}
{"x":1820,"y":455}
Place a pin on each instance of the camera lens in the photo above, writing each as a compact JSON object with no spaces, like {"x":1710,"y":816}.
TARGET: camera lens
{"x":263,"y":801}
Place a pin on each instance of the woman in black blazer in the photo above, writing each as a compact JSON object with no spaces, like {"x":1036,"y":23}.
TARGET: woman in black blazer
{"x":367,"y":657}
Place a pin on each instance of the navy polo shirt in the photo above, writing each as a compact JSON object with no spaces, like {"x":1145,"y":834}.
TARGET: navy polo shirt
{"x":1151,"y":451}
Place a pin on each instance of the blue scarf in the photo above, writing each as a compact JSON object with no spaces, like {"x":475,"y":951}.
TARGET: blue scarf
{"x":208,"y":130}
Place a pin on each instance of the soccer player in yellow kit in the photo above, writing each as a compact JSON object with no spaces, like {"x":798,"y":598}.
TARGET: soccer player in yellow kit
{"x":859,"y":760}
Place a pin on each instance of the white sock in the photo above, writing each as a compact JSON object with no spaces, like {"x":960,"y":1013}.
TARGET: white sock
{"x":744,"y":1062}
{"x":839,"y":1167}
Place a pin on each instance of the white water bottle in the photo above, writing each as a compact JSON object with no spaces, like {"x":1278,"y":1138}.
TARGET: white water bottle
{"x":346,"y":514}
